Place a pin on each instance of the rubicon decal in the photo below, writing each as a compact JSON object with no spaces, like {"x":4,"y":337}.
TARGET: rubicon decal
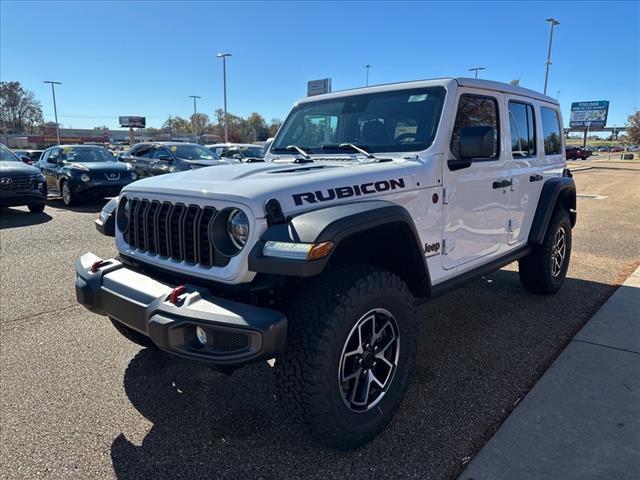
{"x":347,"y":191}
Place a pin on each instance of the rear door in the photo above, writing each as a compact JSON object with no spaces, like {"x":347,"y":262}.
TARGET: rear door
{"x":141,"y":160}
{"x":526,"y":167}
{"x":476,"y":208}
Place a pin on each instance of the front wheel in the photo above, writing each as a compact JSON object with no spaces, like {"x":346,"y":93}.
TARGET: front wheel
{"x":350,"y":350}
{"x":545,"y":268}
{"x":36,"y":207}
{"x":67,"y":196}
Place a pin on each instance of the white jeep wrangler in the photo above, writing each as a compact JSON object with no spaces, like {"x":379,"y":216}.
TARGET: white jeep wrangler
{"x":370,"y":201}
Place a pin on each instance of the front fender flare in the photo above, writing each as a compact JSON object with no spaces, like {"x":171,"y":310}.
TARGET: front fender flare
{"x":334,"y":224}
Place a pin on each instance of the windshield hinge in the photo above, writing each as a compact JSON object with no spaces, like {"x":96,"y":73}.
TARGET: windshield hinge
{"x":445,"y":196}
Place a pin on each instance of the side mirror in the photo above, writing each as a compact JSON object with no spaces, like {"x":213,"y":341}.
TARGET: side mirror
{"x":475,"y":143}
{"x":237,"y":156}
{"x":164,"y":157}
{"x":26,"y":159}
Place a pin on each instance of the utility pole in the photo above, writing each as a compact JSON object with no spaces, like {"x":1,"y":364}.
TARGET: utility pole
{"x":368,"y":66}
{"x":224,"y":56}
{"x":553,"y":22}
{"x":55,"y":109}
{"x":195,"y":113}
{"x":476,"y":69}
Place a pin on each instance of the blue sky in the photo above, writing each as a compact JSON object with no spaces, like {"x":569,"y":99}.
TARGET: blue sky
{"x":146,"y":58}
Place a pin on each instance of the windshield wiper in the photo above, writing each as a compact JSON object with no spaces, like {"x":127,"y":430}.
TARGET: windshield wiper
{"x":349,"y":146}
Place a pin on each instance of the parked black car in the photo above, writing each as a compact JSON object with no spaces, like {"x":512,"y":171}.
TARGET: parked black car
{"x":28,"y":156}
{"x":150,"y":159}
{"x":81,"y":171}
{"x":20,"y":184}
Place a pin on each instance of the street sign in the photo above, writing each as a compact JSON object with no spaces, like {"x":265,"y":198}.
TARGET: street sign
{"x":591,"y":115}
{"x":133,"y":122}
{"x":318,"y":87}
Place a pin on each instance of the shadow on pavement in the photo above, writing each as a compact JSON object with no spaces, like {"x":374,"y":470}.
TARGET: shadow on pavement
{"x":12,"y":218}
{"x":91,"y":205}
{"x":481,"y":348}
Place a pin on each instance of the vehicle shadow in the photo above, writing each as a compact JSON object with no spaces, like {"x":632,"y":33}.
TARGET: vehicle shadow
{"x":481,"y":348}
{"x":91,"y":205}
{"x":13,"y":218}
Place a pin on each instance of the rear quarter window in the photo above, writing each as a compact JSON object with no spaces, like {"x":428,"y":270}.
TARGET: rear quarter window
{"x":551,"y":131}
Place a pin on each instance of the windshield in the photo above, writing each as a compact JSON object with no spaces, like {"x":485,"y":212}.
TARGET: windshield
{"x":394,"y":121}
{"x":252,"y":152}
{"x":87,"y":154}
{"x":192,"y":152}
{"x":6,"y":155}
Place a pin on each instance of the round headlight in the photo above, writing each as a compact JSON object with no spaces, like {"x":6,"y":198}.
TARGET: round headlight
{"x":85,"y":178}
{"x":238,"y":228}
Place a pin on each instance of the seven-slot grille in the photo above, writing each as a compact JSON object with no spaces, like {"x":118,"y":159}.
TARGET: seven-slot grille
{"x":173,"y":230}
{"x":22,"y":182}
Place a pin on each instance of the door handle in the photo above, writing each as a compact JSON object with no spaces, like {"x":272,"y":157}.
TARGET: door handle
{"x":502,"y":184}
{"x":535,"y":178}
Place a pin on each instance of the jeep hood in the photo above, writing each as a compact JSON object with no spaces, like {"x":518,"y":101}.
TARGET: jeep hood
{"x":253,"y":184}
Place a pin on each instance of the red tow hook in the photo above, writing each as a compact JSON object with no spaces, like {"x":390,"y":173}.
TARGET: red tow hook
{"x":96,"y":265}
{"x":174,"y":296}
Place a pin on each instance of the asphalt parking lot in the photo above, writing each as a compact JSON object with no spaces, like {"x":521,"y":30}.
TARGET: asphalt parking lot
{"x":79,"y":401}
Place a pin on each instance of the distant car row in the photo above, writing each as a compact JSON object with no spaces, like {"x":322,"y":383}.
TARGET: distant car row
{"x":78,"y":172}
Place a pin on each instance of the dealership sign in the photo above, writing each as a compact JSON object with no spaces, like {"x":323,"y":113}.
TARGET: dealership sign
{"x":133,"y":122}
{"x":591,"y":115}
{"x":318,"y":87}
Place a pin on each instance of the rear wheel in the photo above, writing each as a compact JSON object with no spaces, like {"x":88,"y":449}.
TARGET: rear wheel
{"x":36,"y":207}
{"x":132,"y":335}
{"x":351,"y":347}
{"x":545,"y":268}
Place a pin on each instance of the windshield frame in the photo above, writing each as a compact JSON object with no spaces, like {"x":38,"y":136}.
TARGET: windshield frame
{"x":277,"y":148}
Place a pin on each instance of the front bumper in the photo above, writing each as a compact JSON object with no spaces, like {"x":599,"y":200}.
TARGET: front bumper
{"x":17,"y":199}
{"x":237,"y":333}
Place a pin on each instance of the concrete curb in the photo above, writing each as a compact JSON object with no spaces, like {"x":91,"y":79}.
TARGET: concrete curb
{"x":582,"y":419}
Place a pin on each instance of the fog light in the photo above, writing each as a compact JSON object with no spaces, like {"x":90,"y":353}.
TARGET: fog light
{"x":85,"y":178}
{"x":201,"y":334}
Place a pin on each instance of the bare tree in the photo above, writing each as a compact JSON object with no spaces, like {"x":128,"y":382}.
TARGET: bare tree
{"x":633,"y":128}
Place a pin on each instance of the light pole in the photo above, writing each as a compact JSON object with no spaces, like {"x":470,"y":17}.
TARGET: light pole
{"x":224,"y":56}
{"x":195,"y":112}
{"x":553,"y":22}
{"x":55,"y":109}
{"x":367,"y":66}
{"x":476,"y":69}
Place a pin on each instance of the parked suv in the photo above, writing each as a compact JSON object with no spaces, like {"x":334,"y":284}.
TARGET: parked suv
{"x":150,"y":159}
{"x":239,"y":151}
{"x":78,"y":172}
{"x":574,"y":152}
{"x":20,"y":184}
{"x":371,"y":201}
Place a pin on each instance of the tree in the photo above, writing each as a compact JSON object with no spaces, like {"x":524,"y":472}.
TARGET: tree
{"x":200,"y":123}
{"x":176,"y":125}
{"x":633,"y":128}
{"x":19,"y":109}
{"x":275,"y":125}
{"x":103,"y":127}
{"x":515,"y":82}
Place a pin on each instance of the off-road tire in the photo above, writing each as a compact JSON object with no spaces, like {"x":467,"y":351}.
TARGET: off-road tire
{"x":536,"y":270}
{"x":319,"y":324}
{"x":36,"y":207}
{"x":132,"y":335}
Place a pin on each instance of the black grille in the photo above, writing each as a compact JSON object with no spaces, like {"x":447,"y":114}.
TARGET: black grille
{"x":226,"y":341}
{"x":19,"y":183}
{"x":172,"y":230}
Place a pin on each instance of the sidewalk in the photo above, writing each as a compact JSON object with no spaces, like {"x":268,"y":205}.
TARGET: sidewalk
{"x":582,"y":418}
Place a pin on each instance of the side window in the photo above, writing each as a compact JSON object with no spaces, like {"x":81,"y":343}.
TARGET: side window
{"x":54,"y":155}
{"x":523,"y":133}
{"x":476,"y":111}
{"x":45,"y":156}
{"x":551,"y":131}
{"x":160,"y":151}
{"x":143,"y":152}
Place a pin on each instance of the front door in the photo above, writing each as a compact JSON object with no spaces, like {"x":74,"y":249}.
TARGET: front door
{"x":50,"y":168}
{"x":476,"y":209}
